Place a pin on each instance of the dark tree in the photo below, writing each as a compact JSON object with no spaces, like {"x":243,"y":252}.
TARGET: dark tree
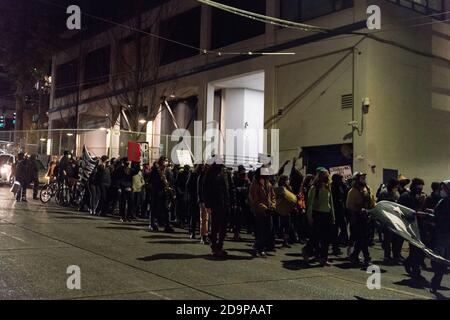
{"x":28,"y":32}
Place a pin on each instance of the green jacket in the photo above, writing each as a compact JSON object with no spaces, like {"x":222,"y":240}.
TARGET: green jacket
{"x":321,"y":201}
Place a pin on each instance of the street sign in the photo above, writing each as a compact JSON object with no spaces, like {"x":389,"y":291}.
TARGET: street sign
{"x":345,"y":171}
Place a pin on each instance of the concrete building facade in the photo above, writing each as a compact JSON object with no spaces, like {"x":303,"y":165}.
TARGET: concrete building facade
{"x":314,"y":98}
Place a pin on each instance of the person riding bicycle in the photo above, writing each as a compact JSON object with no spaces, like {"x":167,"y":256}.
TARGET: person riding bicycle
{"x":64,"y":167}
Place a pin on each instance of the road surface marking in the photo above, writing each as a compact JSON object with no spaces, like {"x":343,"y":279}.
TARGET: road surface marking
{"x":9,"y":236}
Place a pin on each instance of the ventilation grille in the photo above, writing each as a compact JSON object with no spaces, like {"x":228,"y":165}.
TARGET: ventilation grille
{"x":347,"y":101}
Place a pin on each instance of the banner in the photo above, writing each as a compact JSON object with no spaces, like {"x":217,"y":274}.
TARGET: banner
{"x":264,"y":159}
{"x":145,"y":152}
{"x":345,"y":171}
{"x":87,"y":167}
{"x":402,"y":221}
{"x":134,"y":152}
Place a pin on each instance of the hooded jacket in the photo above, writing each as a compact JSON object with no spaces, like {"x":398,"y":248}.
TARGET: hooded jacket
{"x":285,"y":201}
{"x":216,"y":190}
{"x":442,"y":214}
{"x":262,"y":197}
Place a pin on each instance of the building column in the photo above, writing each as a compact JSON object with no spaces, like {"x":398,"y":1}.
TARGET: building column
{"x":206,"y":26}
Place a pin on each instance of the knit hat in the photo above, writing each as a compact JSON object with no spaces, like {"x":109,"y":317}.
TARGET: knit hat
{"x":321,"y":169}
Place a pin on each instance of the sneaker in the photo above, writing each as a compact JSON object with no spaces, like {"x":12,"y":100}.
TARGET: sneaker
{"x":325,"y":263}
{"x":262,"y":254}
{"x":205,"y":240}
{"x":122,"y":220}
{"x":192,"y":236}
{"x":154,"y":228}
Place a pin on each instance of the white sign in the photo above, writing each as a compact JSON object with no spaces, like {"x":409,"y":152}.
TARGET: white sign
{"x":145,"y":152}
{"x":345,"y":171}
{"x":264,"y":159}
{"x":184,"y":158}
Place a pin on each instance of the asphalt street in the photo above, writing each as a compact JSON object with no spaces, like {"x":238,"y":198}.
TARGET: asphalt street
{"x":125,"y":261}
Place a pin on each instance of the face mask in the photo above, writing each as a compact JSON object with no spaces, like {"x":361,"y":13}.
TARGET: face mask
{"x":443,"y":194}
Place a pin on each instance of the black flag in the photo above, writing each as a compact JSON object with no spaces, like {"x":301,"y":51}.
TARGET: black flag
{"x":402,"y":221}
{"x":87,"y":167}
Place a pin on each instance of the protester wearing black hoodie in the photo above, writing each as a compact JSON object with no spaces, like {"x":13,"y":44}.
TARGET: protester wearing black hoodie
{"x":442,"y":247}
{"x":104,"y":183}
{"x":124,"y":175}
{"x":415,"y":200}
{"x":339,"y":195}
{"x":162,"y":196}
{"x":34,"y":178}
{"x":217,"y":199}
{"x":192,"y":201}
{"x":23,"y":176}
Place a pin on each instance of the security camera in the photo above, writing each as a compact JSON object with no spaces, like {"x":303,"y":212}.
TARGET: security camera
{"x":366,"y":102}
{"x":365,"y":105}
{"x":353,"y":124}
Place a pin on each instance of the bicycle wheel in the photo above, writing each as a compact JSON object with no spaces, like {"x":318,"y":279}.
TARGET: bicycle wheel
{"x":46,"y":193}
{"x":62,"y":196}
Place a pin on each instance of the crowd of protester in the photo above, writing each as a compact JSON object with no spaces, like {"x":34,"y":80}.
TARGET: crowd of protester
{"x":211,"y":200}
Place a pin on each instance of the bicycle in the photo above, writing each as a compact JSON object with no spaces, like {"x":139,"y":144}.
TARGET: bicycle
{"x":62,"y":194}
{"x":48,"y":191}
